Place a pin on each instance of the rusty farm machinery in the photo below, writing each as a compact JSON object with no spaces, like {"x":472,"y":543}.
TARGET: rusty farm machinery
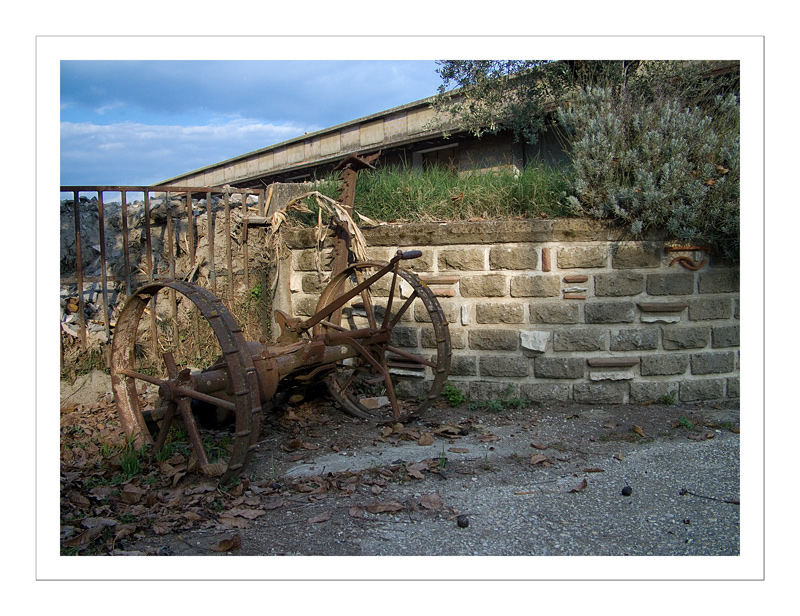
{"x":347,"y":344}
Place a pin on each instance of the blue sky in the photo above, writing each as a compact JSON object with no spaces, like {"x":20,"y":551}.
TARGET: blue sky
{"x":139,"y":122}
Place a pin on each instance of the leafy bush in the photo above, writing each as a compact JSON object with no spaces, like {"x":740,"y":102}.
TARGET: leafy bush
{"x":657,"y":166}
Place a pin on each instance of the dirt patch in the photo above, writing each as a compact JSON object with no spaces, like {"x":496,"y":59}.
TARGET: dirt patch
{"x":533,"y":480}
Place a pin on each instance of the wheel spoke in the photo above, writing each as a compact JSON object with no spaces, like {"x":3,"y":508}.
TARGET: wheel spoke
{"x":410,"y":356}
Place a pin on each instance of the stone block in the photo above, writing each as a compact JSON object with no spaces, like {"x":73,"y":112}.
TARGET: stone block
{"x":554,"y":312}
{"x":580,"y":339}
{"x":522,"y":257}
{"x":465,"y":259}
{"x":502,"y":366}
{"x":483,"y":390}
{"x":617,"y":284}
{"x":405,"y":336}
{"x":314,"y":283}
{"x":463,"y":365}
{"x":632,"y":255}
{"x":610,"y":312}
{"x":488,"y":285}
{"x":644,"y":391}
{"x":733,"y":387}
{"x":458,"y":338}
{"x":582,"y":256}
{"x":670,"y":284}
{"x":600,"y":393}
{"x":611,"y":375}
{"x":532,"y":340}
{"x":713,"y":363}
{"x":662,"y":365}
{"x":708,"y":308}
{"x":541,"y":285}
{"x":304,"y":305}
{"x":305,"y":260}
{"x":725,"y":336}
{"x":704,"y":389}
{"x":675,"y":338}
{"x":493,"y":312}
{"x":639,"y":339}
{"x":558,"y":367}
{"x":545,"y":392}
{"x":493,"y":339}
{"x":719,"y":281}
{"x":451,"y":311}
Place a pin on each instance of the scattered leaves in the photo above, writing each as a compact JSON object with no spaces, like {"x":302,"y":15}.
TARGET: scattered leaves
{"x":426,"y":439}
{"x":540,"y":458}
{"x":228,"y":545}
{"x":638,"y":430}
{"x":580,"y":487}
{"x":322,"y":517}
{"x":384,"y":507}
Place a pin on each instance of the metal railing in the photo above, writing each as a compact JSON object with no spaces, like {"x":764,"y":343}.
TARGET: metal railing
{"x":129,"y":277}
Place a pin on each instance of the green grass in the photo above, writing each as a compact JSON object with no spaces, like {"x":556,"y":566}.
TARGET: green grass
{"x":400,"y":194}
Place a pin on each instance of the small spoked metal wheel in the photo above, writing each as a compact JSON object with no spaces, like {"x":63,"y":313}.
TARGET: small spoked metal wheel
{"x":387,"y":379}
{"x":162,"y":400}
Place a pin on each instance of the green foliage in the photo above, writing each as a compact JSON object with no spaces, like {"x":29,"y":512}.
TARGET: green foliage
{"x":653,"y":145}
{"x":455,"y":397}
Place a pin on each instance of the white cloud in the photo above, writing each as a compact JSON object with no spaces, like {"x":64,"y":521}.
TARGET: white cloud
{"x":130,"y":152}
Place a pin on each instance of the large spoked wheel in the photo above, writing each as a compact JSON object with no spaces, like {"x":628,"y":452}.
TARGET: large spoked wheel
{"x":161,"y":399}
{"x":383,"y":381}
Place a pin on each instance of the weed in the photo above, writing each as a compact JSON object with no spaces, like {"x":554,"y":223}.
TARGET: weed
{"x":685,"y":423}
{"x":668,"y":399}
{"x":455,"y":397}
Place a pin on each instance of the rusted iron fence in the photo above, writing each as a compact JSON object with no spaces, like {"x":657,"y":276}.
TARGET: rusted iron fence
{"x":143,"y":270}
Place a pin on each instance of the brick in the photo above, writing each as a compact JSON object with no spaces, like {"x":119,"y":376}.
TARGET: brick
{"x":493,"y":312}
{"x":582,"y":256}
{"x":708,"y":308}
{"x":632,"y":255}
{"x":558,"y":367}
{"x":610,"y":312}
{"x":515,"y":258}
{"x":670,"y":284}
{"x":493,"y":339}
{"x":554,"y":312}
{"x":580,"y":339}
{"x":719,"y":281}
{"x":458,"y":338}
{"x":535,"y":286}
{"x":713,"y":363}
{"x":705,"y":389}
{"x":618,"y":284}
{"x":664,"y":365}
{"x":483,"y":390}
{"x":468,"y":259}
{"x":502,"y":366}
{"x":545,"y":392}
{"x":725,"y":336}
{"x":489,"y":285}
{"x":675,"y":338}
{"x":634,"y":339}
{"x":644,"y":391}
{"x":600,"y":393}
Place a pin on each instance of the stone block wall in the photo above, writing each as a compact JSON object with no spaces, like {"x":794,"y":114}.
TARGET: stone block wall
{"x":563,"y":310}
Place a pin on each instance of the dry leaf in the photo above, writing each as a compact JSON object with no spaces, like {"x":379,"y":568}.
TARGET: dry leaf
{"x":214,"y":470}
{"x":458,"y":450}
{"x":250,"y":514}
{"x":538,"y":446}
{"x":580,"y":487}
{"x":231,"y":522}
{"x":415,"y":470}
{"x":539,"y":458}
{"x":227,"y":545}
{"x":618,"y":456}
{"x":131,"y":494}
{"x":431,"y":501}
{"x":387,"y":506}
{"x":273,"y":503}
{"x":355,"y":512}
{"x":322,"y":517}
{"x":638,"y":430}
{"x":426,"y":439}
{"x":593,"y":470}
{"x":84,"y":538}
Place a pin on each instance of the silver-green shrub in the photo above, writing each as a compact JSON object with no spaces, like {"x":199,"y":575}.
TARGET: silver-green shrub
{"x":657,"y":164}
